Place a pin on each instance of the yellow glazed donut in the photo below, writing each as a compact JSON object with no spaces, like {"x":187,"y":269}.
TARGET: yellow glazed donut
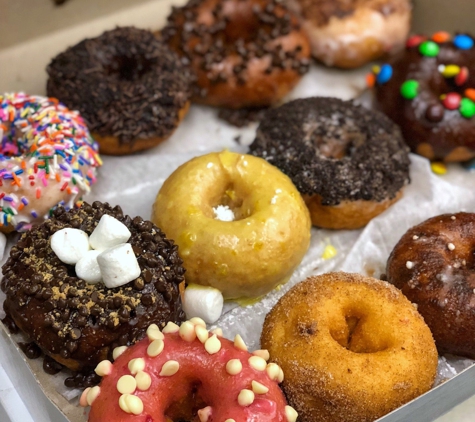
{"x":265,"y":237}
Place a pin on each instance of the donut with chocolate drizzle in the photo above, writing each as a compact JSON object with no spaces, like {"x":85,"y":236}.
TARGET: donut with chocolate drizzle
{"x":79,"y":324}
{"x":245,"y":53}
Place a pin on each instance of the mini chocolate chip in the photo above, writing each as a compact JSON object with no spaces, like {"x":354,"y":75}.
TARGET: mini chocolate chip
{"x":61,"y":304}
{"x":435,"y":113}
{"x":50,"y":366}
{"x":81,"y":321}
{"x":118,"y":302}
{"x":147,"y":275}
{"x":49,"y":305}
{"x":71,"y":346}
{"x":75,"y":333}
{"x":139,"y":284}
{"x":83,"y":311}
{"x":95,"y":297}
{"x":124,"y":314}
{"x":137,"y":249}
{"x":96,"y":310}
{"x":147,"y":299}
{"x":31,"y":350}
{"x":65,"y":315}
{"x":47,"y":294}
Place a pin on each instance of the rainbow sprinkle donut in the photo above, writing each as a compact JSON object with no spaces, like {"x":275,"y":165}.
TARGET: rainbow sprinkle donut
{"x":47,"y":157}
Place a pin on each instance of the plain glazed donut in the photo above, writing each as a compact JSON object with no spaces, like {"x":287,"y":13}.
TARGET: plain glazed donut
{"x":349,"y":163}
{"x":264,"y":237}
{"x":350,"y":33}
{"x":187,"y":373}
{"x":245,"y":53}
{"x":47,"y":158}
{"x":352,"y":348}
{"x":433,"y":266}
{"x":429,"y":91}
{"x":79,"y":324}
{"x":132,"y":90}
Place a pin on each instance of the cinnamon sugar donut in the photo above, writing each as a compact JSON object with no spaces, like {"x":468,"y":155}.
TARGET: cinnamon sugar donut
{"x":433,"y":266}
{"x":352,"y":348}
{"x":349,"y":163}
{"x":350,"y":33}
{"x":245,"y":53}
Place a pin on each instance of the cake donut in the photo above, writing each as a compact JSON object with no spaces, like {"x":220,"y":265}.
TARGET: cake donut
{"x":350,"y":33}
{"x":188,"y":373}
{"x":79,"y":323}
{"x":47,"y":158}
{"x":132,"y":90}
{"x":429,"y":91}
{"x":240,"y":224}
{"x":352,"y":348}
{"x":349,"y":163}
{"x":245,"y":53}
{"x":433,"y":266}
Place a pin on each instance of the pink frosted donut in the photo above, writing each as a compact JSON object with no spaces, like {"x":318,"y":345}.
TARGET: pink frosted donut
{"x":47,"y":157}
{"x":188,"y":373}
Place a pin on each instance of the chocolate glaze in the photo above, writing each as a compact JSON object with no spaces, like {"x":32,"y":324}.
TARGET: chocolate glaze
{"x":439,"y":279}
{"x":126,"y":84}
{"x":79,"y":324}
{"x":424,"y":120}
{"x":336,"y":149}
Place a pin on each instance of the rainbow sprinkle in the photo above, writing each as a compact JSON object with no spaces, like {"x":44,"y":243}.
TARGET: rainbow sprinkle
{"x":45,"y":147}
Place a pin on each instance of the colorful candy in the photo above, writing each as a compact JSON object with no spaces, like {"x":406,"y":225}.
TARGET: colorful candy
{"x":467,"y":108}
{"x":438,"y":167}
{"x":440,"y":37}
{"x":429,"y":49}
{"x":462,"y":76}
{"x":409,"y":89}
{"x":415,"y":40}
{"x":464,"y":42}
{"x":385,"y":74}
{"x":451,"y":101}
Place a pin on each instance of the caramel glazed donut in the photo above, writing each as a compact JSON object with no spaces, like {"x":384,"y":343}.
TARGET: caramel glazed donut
{"x":350,"y":33}
{"x":349,"y":163}
{"x":429,"y":91}
{"x":245,"y":53}
{"x":79,"y":324}
{"x":131,"y":88}
{"x":433,"y":266}
{"x":352,"y":348}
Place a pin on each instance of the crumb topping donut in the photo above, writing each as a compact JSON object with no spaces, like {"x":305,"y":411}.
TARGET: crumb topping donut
{"x":245,"y":53}
{"x":130,"y":87}
{"x":350,"y":33}
{"x":188,"y":373}
{"x":240,"y":224}
{"x":349,"y":163}
{"x":433,"y":266}
{"x":352,"y":348}
{"x":429,"y":91}
{"x":77,"y":323}
{"x":47,"y":158}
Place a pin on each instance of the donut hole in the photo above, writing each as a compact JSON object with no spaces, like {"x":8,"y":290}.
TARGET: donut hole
{"x":186,"y":408}
{"x":232,"y":198}
{"x":129,"y":68}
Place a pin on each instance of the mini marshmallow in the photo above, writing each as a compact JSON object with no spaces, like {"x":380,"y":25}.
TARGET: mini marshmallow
{"x":203,"y":302}
{"x":109,"y":232}
{"x":70,"y":245}
{"x":118,"y":265}
{"x":223,"y":213}
{"x":3,"y":243}
{"x":88,"y":269}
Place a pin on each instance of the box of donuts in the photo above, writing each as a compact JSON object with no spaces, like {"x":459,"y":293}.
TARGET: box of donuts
{"x":237,"y":210}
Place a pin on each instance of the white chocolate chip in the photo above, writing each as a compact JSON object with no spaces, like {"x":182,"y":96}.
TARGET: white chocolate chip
{"x":70,"y":245}
{"x":201,"y":333}
{"x":259,"y":388}
{"x":83,"y":398}
{"x":290,"y":414}
{"x":187,"y":331}
{"x":239,"y":343}
{"x":415,"y":237}
{"x":131,"y":404}
{"x":155,"y":348}
{"x":409,"y":265}
{"x":233,"y":367}
{"x":273,"y":371}
{"x":92,"y":394}
{"x":126,"y":384}
{"x":263,"y":353}
{"x":246,"y":397}
{"x":154,"y":333}
{"x":109,"y":232}
{"x":118,"y":265}
{"x":103,"y":368}
{"x":229,"y":420}
{"x":213,"y":345}
{"x":169,"y":368}
{"x":197,"y":321}
{"x":450,"y":246}
{"x":453,"y":217}
{"x":223,"y":213}
{"x":203,"y":302}
{"x":171,"y":327}
{"x":257,"y":363}
{"x":143,"y":381}
{"x":118,"y":351}
{"x":88,"y":269}
{"x":218,"y":331}
{"x":204,"y":414}
{"x":136,"y":365}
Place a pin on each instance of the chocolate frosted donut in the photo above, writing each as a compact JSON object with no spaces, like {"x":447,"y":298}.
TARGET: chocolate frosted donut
{"x":433,"y":265}
{"x":429,"y":91}
{"x":348,"y":162}
{"x":130,"y":87}
{"x":79,"y":324}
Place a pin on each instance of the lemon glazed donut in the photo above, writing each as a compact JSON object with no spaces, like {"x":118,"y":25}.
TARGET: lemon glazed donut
{"x":47,"y":157}
{"x":240,"y":224}
{"x":352,"y":348}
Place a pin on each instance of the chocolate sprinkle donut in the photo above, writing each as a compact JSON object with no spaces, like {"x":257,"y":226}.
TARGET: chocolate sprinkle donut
{"x":79,"y":324}
{"x":334,"y":148}
{"x":126,"y":84}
